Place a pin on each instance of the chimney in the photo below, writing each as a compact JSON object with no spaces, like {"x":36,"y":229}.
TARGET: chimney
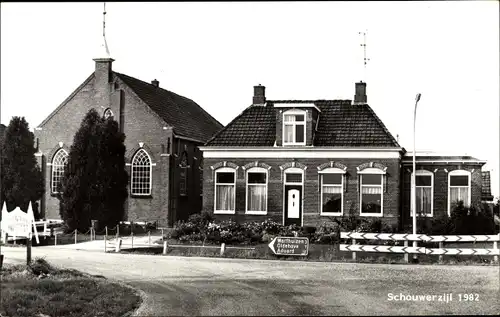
{"x":259,"y":95}
{"x":155,"y":83}
{"x":103,"y":70}
{"x":360,"y":96}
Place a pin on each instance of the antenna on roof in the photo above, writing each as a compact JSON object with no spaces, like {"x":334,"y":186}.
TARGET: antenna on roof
{"x":365,"y":59}
{"x":104,"y":30}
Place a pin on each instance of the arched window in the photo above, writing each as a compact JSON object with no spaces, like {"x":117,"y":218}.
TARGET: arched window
{"x":183,"y":175}
{"x":458,"y":188}
{"x":141,"y":174}
{"x":108,"y":113}
{"x":59,"y":163}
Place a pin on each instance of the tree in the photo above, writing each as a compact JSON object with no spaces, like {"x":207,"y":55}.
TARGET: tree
{"x":21,"y":176}
{"x":94,"y":186}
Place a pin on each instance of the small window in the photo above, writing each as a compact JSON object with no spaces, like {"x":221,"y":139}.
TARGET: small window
{"x":108,"y":113}
{"x":293,"y":178}
{"x":257,"y":191}
{"x":294,"y":128}
{"x":225,"y":190}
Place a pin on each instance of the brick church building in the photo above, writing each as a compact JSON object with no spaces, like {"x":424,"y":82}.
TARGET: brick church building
{"x":163,"y":133}
{"x":305,"y":161}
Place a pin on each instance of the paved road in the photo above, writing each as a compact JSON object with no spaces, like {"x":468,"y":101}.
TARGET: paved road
{"x":208,"y":286}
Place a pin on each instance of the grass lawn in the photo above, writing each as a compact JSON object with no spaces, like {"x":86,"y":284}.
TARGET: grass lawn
{"x":41,"y":289}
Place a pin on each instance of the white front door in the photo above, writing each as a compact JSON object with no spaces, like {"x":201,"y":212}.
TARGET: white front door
{"x":294,"y":204}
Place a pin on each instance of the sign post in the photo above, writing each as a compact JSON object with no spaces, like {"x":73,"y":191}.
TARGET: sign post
{"x":28,"y":249}
{"x":290,"y":246}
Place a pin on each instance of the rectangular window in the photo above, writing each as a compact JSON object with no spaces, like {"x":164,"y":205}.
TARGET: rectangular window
{"x":371,"y":195}
{"x":423,"y":188}
{"x":331,"y":194}
{"x":294,"y":129}
{"x":225,"y":187}
{"x":293,"y":178}
{"x":257,"y":192}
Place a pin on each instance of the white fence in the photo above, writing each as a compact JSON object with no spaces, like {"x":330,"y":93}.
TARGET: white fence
{"x":406,"y":249}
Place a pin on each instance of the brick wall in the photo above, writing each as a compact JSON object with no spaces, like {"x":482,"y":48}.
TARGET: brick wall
{"x":311,"y":194}
{"x":440,"y":192}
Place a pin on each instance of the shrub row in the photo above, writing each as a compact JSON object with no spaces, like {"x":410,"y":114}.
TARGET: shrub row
{"x":203,"y":228}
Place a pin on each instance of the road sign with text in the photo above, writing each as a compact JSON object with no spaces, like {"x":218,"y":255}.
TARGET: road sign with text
{"x":290,"y":246}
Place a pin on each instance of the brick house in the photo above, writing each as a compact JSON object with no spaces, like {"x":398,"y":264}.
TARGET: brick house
{"x":306,"y":161}
{"x":163,"y":133}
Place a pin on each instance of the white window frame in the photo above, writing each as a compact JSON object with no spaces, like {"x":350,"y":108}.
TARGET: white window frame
{"x":458,"y":173}
{"x":224,"y":170}
{"x":294,"y":125}
{"x":256,"y":170}
{"x":132,"y":165}
{"x":56,"y":156}
{"x":332,"y":170}
{"x":293,"y":170}
{"x":371,"y":170}
{"x":423,"y":173}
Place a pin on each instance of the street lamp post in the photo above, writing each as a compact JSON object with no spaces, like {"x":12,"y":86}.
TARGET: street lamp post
{"x":413,"y":179}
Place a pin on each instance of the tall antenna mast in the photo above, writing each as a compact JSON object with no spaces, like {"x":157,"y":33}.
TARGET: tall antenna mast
{"x":365,"y":59}
{"x":104,"y":30}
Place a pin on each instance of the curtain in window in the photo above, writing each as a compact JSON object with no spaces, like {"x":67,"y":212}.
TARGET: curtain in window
{"x":424,"y":200}
{"x":460,"y":193}
{"x":288,"y":135}
{"x":257,"y":198}
{"x":225,"y":197}
{"x":332,"y":199}
{"x":371,"y":190}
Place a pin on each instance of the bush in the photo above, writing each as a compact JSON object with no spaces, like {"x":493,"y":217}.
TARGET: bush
{"x":325,"y":234}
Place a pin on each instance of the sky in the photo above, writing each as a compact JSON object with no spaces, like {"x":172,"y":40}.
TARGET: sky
{"x":214,"y":53}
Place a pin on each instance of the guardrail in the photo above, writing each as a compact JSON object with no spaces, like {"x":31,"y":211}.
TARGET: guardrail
{"x":406,"y":249}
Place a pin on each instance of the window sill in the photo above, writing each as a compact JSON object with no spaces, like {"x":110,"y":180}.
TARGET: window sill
{"x":427,"y":216}
{"x":258,"y":213}
{"x":336,"y":214}
{"x":371,"y":215}
{"x":149,"y":196}
{"x":224,"y":212}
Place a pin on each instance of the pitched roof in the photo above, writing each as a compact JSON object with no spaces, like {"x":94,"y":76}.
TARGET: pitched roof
{"x":186,"y":117}
{"x":341,"y":124}
{"x":486,"y":187}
